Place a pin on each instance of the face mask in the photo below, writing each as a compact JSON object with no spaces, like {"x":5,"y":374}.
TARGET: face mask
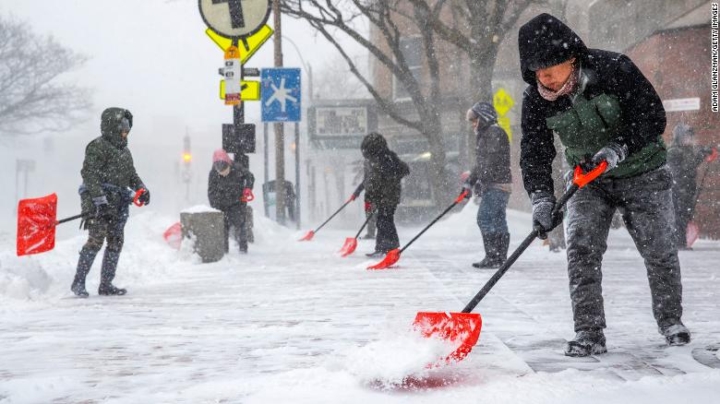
{"x":221,"y":166}
{"x":124,"y":125}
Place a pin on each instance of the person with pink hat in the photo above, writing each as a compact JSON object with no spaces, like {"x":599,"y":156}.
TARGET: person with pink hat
{"x":229,"y":190}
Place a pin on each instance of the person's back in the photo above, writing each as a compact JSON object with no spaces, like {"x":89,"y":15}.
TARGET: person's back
{"x":383,"y":189}
{"x":684,"y":157}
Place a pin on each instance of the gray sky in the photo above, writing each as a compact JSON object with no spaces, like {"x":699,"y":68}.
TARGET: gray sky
{"x":153,"y":57}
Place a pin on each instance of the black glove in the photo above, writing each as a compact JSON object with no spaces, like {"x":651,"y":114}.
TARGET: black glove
{"x":103,"y":211}
{"x":542,"y":213}
{"x":613,"y":153}
{"x":144,"y":197}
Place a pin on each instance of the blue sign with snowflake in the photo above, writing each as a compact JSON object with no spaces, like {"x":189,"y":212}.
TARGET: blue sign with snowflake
{"x":280,"y":95}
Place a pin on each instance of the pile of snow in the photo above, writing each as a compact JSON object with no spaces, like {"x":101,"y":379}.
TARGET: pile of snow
{"x":146,"y":259}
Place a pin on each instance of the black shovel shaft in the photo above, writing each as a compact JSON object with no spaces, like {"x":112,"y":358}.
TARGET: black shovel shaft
{"x":364,"y":224}
{"x":430,"y":225}
{"x":71,"y":218}
{"x":333,"y":215}
{"x":516,"y":254}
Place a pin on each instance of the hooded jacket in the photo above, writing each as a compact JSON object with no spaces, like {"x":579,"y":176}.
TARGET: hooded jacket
{"x":108,"y":169}
{"x":614,"y":103}
{"x":383,"y":181}
{"x":492,"y":157}
{"x":684,"y":160}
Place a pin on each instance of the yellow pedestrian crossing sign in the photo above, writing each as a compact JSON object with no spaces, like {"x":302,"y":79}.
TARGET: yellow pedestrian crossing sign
{"x":502,"y":101}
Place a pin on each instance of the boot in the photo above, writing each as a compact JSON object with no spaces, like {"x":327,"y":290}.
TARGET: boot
{"x":376,"y":254}
{"x":496,"y":246}
{"x":676,"y":334}
{"x":586,"y":343}
{"x":109,"y":265}
{"x":87,"y":257}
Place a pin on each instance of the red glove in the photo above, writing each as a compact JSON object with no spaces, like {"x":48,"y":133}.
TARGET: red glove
{"x":712,"y":155}
{"x":247,"y":195}
{"x":368,"y":206}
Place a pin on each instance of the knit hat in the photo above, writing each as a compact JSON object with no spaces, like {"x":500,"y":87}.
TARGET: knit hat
{"x":483,"y":111}
{"x":221,"y":155}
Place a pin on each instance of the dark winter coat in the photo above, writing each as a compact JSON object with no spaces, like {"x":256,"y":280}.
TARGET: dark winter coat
{"x":615,"y":104}
{"x":492,"y":157}
{"x":683,"y":162}
{"x":108,"y":169}
{"x":382,"y":184}
{"x":225,"y":192}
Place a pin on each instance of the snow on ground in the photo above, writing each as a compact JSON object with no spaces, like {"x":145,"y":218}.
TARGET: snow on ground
{"x":292,"y":322}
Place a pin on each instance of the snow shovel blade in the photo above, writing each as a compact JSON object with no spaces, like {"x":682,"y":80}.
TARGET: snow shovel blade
{"x":349,"y":246}
{"x":36,"y":225}
{"x":173,"y":235}
{"x":460,"y":329}
{"x":391,"y":258}
{"x":691,"y":234}
{"x":309,"y":236}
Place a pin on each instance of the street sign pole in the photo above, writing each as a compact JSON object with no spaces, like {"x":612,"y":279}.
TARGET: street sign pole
{"x":297,"y":174}
{"x":266,"y":163}
{"x":279,"y":129}
{"x":239,"y":120}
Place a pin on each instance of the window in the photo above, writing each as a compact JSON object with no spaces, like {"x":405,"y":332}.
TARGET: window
{"x":411,"y":48}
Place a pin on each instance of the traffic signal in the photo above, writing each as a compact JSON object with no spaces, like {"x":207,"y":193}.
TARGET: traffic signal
{"x":187,"y":154}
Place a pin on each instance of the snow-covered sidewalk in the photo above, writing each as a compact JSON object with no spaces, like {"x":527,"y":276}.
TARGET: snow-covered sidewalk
{"x":293,"y":322}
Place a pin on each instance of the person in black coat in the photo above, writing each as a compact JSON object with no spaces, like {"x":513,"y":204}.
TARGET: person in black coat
{"x":229,"y":188}
{"x":383,"y":188}
{"x":491,"y":174}
{"x":684,"y":157}
{"x":602,"y":108}
{"x":367,"y":206}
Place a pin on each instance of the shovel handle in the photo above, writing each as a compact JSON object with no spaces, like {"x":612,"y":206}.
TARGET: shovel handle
{"x":580,"y":179}
{"x":71,"y":218}
{"x":458,"y":200}
{"x":334,"y":214}
{"x":365,"y":224}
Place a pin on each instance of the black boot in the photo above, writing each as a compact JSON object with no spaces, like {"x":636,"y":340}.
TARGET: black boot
{"x":494,"y":253}
{"x":87,"y":257}
{"x":676,"y":334}
{"x":586,"y":343}
{"x":503,"y":245}
{"x":109,"y":265}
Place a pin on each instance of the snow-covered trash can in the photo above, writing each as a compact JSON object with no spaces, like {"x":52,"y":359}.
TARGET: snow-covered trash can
{"x":205,"y":226}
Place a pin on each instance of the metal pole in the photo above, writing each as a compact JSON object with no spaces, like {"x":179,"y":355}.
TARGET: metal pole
{"x":239,"y":120}
{"x":279,"y":130}
{"x":266,"y":166}
{"x":297,"y":173}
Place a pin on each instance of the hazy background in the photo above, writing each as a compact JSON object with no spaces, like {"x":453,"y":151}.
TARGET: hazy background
{"x":153,"y":58}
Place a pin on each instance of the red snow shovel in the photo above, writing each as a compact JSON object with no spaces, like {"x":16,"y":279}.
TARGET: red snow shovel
{"x":351,"y":242}
{"x":309,"y":236}
{"x":37,"y":221}
{"x":463,"y":329}
{"x":393,"y":256}
{"x":36,"y":224}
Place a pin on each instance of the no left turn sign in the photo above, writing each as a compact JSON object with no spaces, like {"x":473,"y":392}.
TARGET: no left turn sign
{"x":235,"y":18}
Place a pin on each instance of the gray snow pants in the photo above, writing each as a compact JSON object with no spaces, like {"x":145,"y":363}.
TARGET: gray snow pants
{"x":645,"y":203}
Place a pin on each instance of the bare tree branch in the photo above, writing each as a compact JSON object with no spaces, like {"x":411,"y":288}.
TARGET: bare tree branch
{"x":33,"y":97}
